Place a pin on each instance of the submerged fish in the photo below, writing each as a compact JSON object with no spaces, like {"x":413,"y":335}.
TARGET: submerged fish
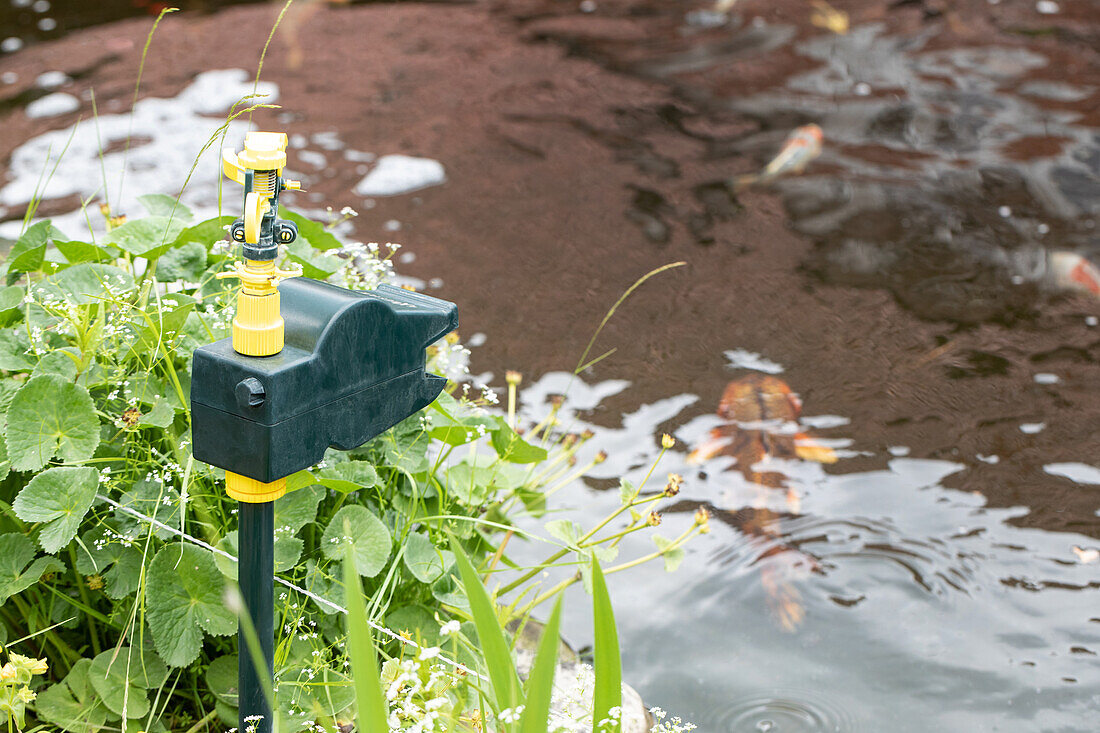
{"x":761,"y":414}
{"x":801,"y":147}
{"x":1069,"y":271}
{"x":827,"y":17}
{"x":761,"y":420}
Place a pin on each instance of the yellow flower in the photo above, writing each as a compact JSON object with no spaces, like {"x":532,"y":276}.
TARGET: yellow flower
{"x":32,"y":665}
{"x":513,"y":377}
{"x":26,"y":694}
{"x":653,"y":519}
{"x":8,"y":672}
{"x":702,"y":520}
{"x":667,"y":441}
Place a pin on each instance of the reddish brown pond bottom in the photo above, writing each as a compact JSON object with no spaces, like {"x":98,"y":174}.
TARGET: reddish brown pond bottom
{"x":902,"y":287}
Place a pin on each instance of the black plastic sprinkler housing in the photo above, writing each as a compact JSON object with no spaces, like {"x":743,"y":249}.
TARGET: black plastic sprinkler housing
{"x":310,"y":366}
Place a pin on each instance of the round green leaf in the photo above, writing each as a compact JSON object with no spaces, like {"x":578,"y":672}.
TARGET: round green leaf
{"x":15,"y":552}
{"x":73,"y":704}
{"x":149,"y":237}
{"x":296,"y":509}
{"x":287,"y":551}
{"x":121,"y":676}
{"x":221,"y":678}
{"x":87,"y":283}
{"x":424,"y":560}
{"x":184,"y":598}
{"x":60,"y":497}
{"x":49,"y":416}
{"x":63,"y":363}
{"x":117,"y":562}
{"x":186,"y":262}
{"x":14,"y":348}
{"x":159,"y":204}
{"x":369,"y":538}
{"x":319,"y":693}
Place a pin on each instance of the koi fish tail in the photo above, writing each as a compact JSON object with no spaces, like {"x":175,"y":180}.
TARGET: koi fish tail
{"x":783,"y":599}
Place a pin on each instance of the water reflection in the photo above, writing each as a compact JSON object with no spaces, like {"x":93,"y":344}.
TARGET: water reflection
{"x":923,"y":609}
{"x":948,"y":177}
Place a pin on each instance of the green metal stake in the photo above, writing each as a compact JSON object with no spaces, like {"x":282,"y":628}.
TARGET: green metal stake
{"x":256,"y":574}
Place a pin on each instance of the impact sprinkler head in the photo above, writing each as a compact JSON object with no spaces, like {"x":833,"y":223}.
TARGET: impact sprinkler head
{"x":259,"y":168}
{"x":258,"y":327}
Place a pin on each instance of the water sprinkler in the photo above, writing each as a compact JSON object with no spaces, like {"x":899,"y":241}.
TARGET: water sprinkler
{"x":310,"y":366}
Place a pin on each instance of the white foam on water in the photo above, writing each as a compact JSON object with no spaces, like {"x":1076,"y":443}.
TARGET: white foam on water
{"x":52,"y":79}
{"x":397,"y":174}
{"x":823,"y":422}
{"x":51,"y":105}
{"x":742,"y":359}
{"x":167,"y":135}
{"x":1082,"y":473}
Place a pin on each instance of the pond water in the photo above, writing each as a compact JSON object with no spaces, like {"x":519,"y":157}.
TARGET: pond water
{"x":942,"y":573}
{"x":886,"y":601}
{"x":837,"y":598}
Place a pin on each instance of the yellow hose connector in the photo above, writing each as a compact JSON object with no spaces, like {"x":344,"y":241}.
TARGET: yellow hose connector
{"x":258,"y":327}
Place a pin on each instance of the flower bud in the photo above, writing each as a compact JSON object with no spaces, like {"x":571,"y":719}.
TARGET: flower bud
{"x":653,"y":519}
{"x":667,"y":441}
{"x":513,"y":377}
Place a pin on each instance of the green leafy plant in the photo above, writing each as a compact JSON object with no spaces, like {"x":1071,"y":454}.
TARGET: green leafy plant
{"x":100,"y":497}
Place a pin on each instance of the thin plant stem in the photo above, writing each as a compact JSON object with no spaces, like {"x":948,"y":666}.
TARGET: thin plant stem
{"x":84,"y":598}
{"x":137,"y":87}
{"x":203,"y":722}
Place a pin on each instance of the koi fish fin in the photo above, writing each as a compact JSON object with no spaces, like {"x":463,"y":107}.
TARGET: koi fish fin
{"x":809,"y":449}
{"x":710,"y":448}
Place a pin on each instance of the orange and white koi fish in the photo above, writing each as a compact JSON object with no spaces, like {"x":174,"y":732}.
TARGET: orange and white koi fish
{"x":801,"y":147}
{"x":758,"y":413}
{"x":1072,"y":272}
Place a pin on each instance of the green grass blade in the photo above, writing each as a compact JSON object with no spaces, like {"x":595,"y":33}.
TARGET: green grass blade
{"x":540,"y":683}
{"x":608,"y":665}
{"x":369,"y":697}
{"x":494,"y":644}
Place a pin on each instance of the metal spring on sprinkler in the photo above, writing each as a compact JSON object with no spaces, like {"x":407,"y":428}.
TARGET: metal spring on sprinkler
{"x":263,"y":183}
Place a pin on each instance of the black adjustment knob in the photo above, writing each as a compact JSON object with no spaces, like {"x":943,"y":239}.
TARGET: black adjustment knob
{"x":236,"y":231}
{"x":285,"y":231}
{"x":250,"y":392}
